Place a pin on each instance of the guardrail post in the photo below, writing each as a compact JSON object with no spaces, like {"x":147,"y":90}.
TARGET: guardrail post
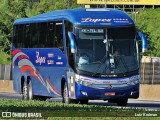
{"x":0,"y":73}
{"x":152,"y":73}
{"x":7,"y":72}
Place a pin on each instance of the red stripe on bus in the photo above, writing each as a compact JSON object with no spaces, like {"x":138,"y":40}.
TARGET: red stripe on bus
{"x":53,"y":86}
{"x":15,"y":52}
{"x":32,"y":71}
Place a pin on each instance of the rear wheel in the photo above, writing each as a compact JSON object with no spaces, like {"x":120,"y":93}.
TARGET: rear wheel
{"x":24,"y":91}
{"x":30,"y":91}
{"x":122,"y":102}
{"x":34,"y":97}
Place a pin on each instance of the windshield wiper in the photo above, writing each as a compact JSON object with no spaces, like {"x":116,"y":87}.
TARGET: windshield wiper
{"x":123,"y":63}
{"x":101,"y":63}
{"x":119,"y":62}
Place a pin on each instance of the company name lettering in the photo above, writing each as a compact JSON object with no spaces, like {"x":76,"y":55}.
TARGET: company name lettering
{"x":95,"y":20}
{"x":40,"y":60}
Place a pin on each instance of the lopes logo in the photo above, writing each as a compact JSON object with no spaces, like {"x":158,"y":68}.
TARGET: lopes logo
{"x":40,"y":60}
{"x":95,"y":20}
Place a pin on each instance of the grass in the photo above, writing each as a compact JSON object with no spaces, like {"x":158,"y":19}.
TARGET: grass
{"x":58,"y":109}
{"x":105,"y":118}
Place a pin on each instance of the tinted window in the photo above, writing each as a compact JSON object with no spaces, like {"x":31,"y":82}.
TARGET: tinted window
{"x":18,"y":36}
{"x":121,"y":33}
{"x":59,"y":35}
{"x":39,"y":35}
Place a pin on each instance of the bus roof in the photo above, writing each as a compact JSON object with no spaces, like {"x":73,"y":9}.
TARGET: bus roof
{"x":82,"y":16}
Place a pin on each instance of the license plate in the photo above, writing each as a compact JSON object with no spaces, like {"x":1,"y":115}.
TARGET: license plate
{"x":110,"y":94}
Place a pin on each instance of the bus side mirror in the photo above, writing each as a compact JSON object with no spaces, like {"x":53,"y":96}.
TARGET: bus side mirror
{"x":144,"y":42}
{"x":72,"y":42}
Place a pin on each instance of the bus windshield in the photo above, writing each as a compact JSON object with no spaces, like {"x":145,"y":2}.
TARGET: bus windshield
{"x":106,"y":50}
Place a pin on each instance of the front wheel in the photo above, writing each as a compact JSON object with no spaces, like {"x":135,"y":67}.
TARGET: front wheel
{"x":66,"y":98}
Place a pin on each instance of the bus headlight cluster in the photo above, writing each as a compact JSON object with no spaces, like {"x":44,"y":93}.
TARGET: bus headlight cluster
{"x":85,"y":83}
{"x":133,"y":82}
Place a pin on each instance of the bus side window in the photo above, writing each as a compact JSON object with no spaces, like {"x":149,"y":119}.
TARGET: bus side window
{"x":50,"y":35}
{"x":56,"y":41}
{"x":27,"y":36}
{"x":15,"y":36}
{"x":20,"y":34}
{"x":35,"y":32}
{"x":59,"y":36}
{"x":43,"y":34}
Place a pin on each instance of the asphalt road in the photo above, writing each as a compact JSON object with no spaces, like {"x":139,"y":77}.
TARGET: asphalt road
{"x":132,"y":103}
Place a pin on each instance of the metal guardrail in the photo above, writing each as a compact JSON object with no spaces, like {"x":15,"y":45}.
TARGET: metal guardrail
{"x":150,"y":70}
{"x":150,"y":73}
{"x":5,"y":72}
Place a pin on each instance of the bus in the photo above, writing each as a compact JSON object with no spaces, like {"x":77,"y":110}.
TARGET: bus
{"x":77,"y":55}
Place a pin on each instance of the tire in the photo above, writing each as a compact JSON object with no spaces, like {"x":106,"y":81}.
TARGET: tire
{"x":30,"y":91}
{"x":34,"y":97}
{"x":122,"y":102}
{"x":24,"y":91}
{"x":66,"y":98}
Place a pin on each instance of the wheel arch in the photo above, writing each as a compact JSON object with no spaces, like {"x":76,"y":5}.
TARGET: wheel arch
{"x":23,"y":79}
{"x":22,"y":83}
{"x":63,"y":81}
{"x":28,"y":79}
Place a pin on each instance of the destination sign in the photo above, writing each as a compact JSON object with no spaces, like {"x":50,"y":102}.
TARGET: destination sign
{"x":87,"y":30}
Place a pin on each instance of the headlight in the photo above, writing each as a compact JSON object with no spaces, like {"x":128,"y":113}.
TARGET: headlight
{"x":133,"y":82}
{"x":85,"y":83}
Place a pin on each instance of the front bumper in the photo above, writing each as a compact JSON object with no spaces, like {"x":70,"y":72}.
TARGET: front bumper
{"x":87,"y":93}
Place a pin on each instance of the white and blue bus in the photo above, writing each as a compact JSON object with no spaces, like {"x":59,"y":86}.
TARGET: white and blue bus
{"x":77,"y":54}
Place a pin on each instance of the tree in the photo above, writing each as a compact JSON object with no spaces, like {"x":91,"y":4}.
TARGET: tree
{"x":12,"y":10}
{"x":147,"y":21}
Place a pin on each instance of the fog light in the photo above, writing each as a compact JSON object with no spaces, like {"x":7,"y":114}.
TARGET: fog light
{"x":133,"y":92}
{"x":84,"y":93}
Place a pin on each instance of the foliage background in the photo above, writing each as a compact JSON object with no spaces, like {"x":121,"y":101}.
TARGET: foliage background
{"x":147,"y":21}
